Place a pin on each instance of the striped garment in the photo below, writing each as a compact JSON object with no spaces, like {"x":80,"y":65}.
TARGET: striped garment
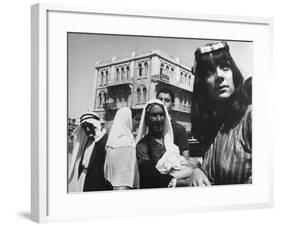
{"x":229,"y":158}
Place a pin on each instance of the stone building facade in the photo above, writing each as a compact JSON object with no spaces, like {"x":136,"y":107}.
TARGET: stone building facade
{"x":133,"y":80}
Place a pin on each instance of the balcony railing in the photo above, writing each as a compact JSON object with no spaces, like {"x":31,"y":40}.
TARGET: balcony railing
{"x":114,"y":105}
{"x":110,"y":106}
{"x":181,"y":108}
{"x":120,"y":82}
{"x":167,"y":80}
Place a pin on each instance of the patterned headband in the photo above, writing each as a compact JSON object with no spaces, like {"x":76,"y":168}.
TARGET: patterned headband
{"x":211,"y":47}
{"x":207,"y":49}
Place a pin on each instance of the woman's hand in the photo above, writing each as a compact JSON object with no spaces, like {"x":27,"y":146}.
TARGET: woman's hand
{"x":198,"y":178}
{"x":182,"y":182}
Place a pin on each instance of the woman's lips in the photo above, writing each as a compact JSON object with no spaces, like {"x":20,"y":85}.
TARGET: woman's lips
{"x":221,"y":87}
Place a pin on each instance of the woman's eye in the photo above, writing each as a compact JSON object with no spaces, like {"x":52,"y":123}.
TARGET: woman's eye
{"x":209,"y":73}
{"x":225,"y":67}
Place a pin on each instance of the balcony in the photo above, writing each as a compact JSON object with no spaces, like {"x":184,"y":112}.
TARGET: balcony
{"x":138,"y":106}
{"x":161,"y":77}
{"x":119,"y":82}
{"x":181,"y":108}
{"x":110,"y":106}
{"x":114,"y":105}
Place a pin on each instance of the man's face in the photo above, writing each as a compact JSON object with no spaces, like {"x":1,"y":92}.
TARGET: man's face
{"x":156,"y":119}
{"x":166,"y":99}
{"x":135,"y":122}
{"x":89,"y":129}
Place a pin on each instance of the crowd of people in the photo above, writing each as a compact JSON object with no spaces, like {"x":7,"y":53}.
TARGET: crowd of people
{"x":159,"y":156}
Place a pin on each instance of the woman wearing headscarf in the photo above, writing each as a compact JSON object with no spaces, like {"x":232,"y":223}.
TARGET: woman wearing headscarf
{"x":120,"y":167}
{"x":221,"y":117}
{"x":160,"y":164}
{"x":86,"y":164}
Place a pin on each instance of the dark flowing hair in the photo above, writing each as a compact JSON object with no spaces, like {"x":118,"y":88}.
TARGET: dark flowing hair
{"x":204,"y":118}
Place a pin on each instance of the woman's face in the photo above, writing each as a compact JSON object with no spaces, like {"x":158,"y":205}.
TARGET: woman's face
{"x":135,"y":123}
{"x":156,"y":119}
{"x":220,"y":83}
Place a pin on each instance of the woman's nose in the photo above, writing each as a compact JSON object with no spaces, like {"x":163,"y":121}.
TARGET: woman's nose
{"x":219,"y":72}
{"x":158,"y":117}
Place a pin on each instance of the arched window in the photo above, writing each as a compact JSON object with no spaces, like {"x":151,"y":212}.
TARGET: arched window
{"x":181,"y":77}
{"x":140,"y":70}
{"x":138,"y":96}
{"x":172,"y":72}
{"x":128,"y":72}
{"x":185,"y":79}
{"x":106,"y":77}
{"x":100,"y":100}
{"x":144,"y":95}
{"x":104,"y":98}
{"x":122,"y":73}
{"x":161,"y":68}
{"x":167,"y":70}
{"x":189,"y":78}
{"x":145,"y":69}
{"x":117,"y":74}
{"x":180,"y":99}
{"x":101,"y":78}
{"x":187,"y":101}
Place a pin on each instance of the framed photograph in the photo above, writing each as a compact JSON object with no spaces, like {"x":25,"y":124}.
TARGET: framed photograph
{"x":89,"y":63}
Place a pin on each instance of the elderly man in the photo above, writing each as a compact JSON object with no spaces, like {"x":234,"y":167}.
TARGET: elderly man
{"x":87,"y":160}
{"x":154,"y":139}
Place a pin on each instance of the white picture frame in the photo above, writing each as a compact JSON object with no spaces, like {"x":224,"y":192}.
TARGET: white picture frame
{"x":50,"y":201}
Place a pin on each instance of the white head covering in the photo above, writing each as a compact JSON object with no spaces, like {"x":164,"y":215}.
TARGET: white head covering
{"x":120,"y":167}
{"x":121,"y":131}
{"x":143,"y":127}
{"x":81,"y":139}
{"x":170,"y":159}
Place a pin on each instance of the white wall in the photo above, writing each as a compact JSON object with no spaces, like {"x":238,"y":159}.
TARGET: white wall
{"x":15,"y":110}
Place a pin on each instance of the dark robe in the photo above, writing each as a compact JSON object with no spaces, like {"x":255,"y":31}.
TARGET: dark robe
{"x":95,"y":180}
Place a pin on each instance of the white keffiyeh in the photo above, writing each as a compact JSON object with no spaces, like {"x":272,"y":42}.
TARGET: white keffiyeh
{"x":82,"y":144}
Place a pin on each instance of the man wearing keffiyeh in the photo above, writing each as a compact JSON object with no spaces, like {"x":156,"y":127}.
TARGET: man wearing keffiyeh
{"x":86,"y":165}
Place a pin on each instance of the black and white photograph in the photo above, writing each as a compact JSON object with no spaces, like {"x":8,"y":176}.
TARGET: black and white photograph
{"x":139,"y":113}
{"x":146,"y":112}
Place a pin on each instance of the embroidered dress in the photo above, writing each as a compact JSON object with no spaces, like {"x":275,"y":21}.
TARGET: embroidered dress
{"x":229,"y":158}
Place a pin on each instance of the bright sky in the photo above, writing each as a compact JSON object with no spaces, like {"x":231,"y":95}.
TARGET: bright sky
{"x":84,"y":50}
